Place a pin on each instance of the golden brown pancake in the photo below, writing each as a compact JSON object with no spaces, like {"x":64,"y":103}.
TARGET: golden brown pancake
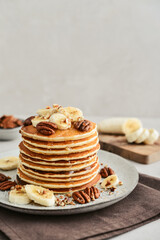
{"x":60,"y":135}
{"x":58,"y":145}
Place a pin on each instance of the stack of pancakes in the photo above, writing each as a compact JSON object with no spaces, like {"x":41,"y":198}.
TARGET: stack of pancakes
{"x":65,"y":161}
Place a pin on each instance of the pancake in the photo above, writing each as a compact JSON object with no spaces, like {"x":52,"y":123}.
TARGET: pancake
{"x":57,"y":168}
{"x":59,"y":177}
{"x":59,"y":145}
{"x":55,"y":163}
{"x":78,"y":149}
{"x":60,"y":135}
{"x":69,"y":186}
{"x":65,"y":190}
{"x":84,"y":154}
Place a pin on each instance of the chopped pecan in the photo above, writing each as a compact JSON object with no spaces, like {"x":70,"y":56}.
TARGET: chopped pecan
{"x":46,"y":128}
{"x":89,"y":194}
{"x":3,"y":177}
{"x":28,"y":121}
{"x":6,"y":185}
{"x":106,"y":171}
{"x":83,"y":125}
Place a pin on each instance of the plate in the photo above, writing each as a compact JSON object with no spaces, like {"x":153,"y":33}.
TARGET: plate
{"x":125,"y":171}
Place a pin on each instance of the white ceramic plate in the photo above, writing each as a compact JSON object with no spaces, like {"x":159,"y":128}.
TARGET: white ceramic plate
{"x":124,"y":169}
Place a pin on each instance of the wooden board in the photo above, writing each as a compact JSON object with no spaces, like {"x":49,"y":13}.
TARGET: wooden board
{"x":136,"y":152}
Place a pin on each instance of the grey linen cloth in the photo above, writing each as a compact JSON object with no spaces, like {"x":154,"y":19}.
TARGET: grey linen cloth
{"x":140,"y":207}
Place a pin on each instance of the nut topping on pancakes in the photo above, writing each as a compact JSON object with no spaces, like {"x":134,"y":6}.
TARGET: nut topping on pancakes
{"x":46,"y":128}
{"x":83,"y":125}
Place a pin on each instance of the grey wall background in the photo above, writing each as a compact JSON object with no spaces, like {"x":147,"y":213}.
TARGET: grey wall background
{"x":102,"y":56}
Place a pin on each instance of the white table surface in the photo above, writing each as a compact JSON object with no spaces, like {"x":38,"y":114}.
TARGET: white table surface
{"x":147,"y":232}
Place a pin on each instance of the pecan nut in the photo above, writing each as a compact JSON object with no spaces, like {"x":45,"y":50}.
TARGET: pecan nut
{"x":6,"y":185}
{"x":83,"y":125}
{"x":46,"y":128}
{"x":3,"y":177}
{"x":89,"y":194}
{"x":28,"y":121}
{"x":9,"y":121}
{"x":93,"y":192}
{"x":106,"y":171}
{"x":78,"y":197}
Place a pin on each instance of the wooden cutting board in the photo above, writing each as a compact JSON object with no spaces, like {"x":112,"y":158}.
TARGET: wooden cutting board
{"x":136,"y":152}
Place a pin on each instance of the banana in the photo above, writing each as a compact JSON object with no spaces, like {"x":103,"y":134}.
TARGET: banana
{"x":112,"y":125}
{"x":60,"y":120}
{"x":75,"y":114}
{"x":19,"y":196}
{"x":131,"y":125}
{"x":9,"y":163}
{"x":45,"y":113}
{"x":40,"y":195}
{"x":143,"y":136}
{"x":153,"y":136}
{"x":132,"y":136}
{"x":37,"y":120}
{"x":110,"y":181}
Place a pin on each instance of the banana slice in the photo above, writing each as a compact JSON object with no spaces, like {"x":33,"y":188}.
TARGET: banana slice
{"x":131,"y":125}
{"x":40,"y":195}
{"x":19,"y":195}
{"x":153,"y":136}
{"x":9,"y":163}
{"x":112,"y":125}
{"x":144,"y":135}
{"x":110,"y":181}
{"x":132,"y":136}
{"x":75,"y":114}
{"x":37,"y":120}
{"x":45,"y":113}
{"x":60,"y":120}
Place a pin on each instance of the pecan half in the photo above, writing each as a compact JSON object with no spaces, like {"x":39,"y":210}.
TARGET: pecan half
{"x":28,"y":121}
{"x":93,"y":192}
{"x":78,"y":197}
{"x":3,"y":177}
{"x":83,"y":125}
{"x":89,"y":194}
{"x":6,"y":185}
{"x":46,"y":128}
{"x":106,"y":171}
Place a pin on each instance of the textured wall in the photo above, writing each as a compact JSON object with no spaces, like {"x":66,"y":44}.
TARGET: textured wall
{"x":100,"y":55}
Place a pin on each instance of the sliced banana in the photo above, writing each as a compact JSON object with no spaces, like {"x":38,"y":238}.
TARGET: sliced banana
{"x":143,"y":136}
{"x":132,"y":125}
{"x":19,"y":196}
{"x":9,"y":163}
{"x":60,"y":120}
{"x":112,"y":125}
{"x":75,"y":114}
{"x":153,"y":136}
{"x":40,"y":195}
{"x":45,"y":113}
{"x":37,"y":120}
{"x":133,"y":136}
{"x":110,"y":181}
